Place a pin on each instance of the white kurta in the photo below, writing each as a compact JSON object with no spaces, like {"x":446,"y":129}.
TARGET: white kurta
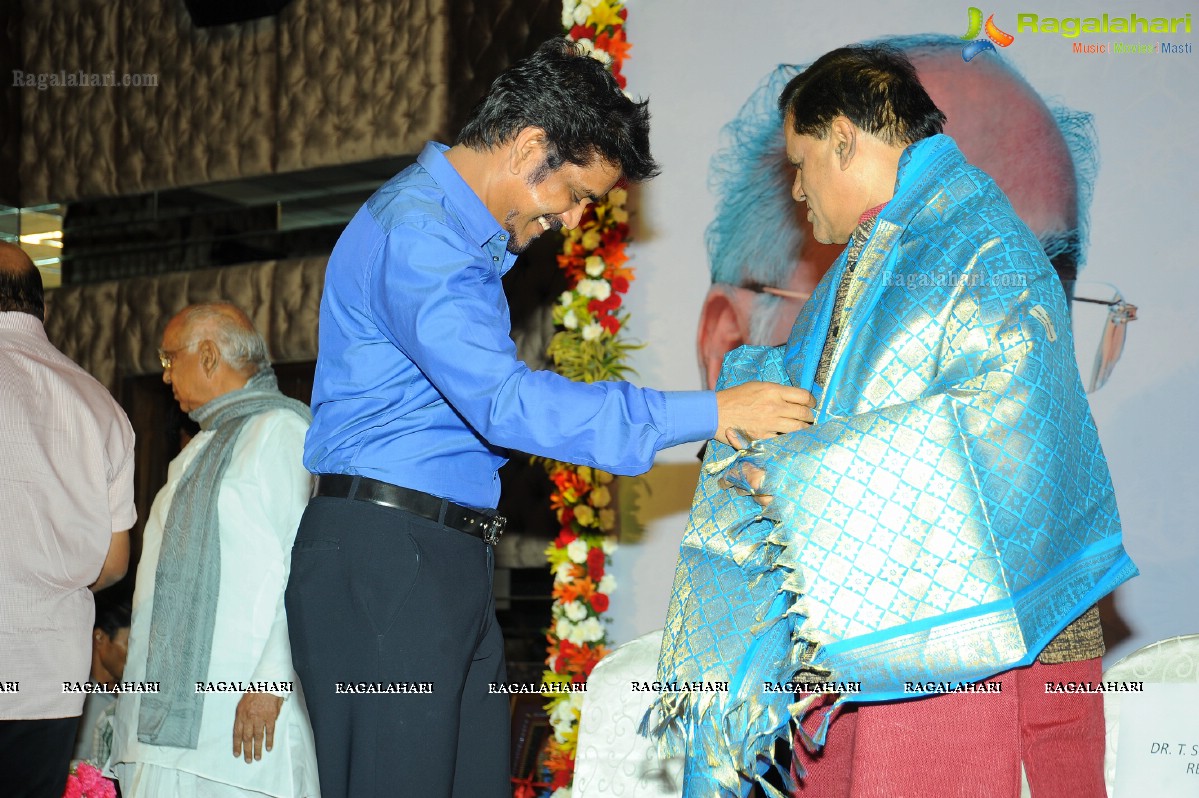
{"x":262,"y":496}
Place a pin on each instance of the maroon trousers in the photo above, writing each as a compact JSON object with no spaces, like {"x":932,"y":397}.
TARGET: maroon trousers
{"x":967,"y":745}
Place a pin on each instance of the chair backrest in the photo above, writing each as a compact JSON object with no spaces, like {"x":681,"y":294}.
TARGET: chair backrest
{"x":1174,"y":660}
{"x":612,"y":758}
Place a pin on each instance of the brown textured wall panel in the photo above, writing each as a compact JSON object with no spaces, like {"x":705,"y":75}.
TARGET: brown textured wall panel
{"x":295,"y":308}
{"x":211,"y":117}
{"x":79,"y":321}
{"x":488,"y":37}
{"x":68,"y":135}
{"x":360,"y":81}
{"x":282,"y":298}
{"x":322,"y":84}
{"x":10,"y":104}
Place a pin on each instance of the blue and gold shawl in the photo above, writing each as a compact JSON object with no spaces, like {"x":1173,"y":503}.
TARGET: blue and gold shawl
{"x":949,"y":512}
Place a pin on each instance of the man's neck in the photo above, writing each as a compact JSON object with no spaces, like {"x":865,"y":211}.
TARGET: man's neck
{"x":878,"y":162}
{"x":482,"y":171}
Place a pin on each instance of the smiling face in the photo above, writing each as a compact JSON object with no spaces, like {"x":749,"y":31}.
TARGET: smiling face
{"x":549,"y":199}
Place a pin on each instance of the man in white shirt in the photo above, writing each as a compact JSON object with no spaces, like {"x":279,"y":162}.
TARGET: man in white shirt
{"x":208,"y":617}
{"x":66,"y":489}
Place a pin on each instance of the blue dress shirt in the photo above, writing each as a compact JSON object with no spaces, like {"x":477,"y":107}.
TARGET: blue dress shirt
{"x":417,"y":379}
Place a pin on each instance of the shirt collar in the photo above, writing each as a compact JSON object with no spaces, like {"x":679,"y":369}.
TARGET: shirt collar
{"x":16,"y":321}
{"x":480,"y":225}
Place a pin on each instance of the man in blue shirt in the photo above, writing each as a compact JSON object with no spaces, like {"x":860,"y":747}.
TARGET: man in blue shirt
{"x":417,"y":399}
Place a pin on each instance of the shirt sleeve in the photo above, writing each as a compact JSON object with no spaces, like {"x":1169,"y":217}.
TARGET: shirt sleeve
{"x":440,"y":300}
{"x":120,"y":481}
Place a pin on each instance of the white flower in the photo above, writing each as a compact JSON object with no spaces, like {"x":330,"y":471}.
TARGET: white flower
{"x":588,"y":631}
{"x":592,"y":331}
{"x":564,"y":629}
{"x":609,"y":545}
{"x":575,"y":611}
{"x":594,"y":265}
{"x":581,"y":14}
{"x":566,"y":298}
{"x":619,"y":215}
{"x":561,"y":792}
{"x":607,"y":584}
{"x":618,"y":196}
{"x":563,"y":718}
{"x":591,"y":239}
{"x":577,"y":548}
{"x":564,"y":572}
{"x":563,"y":713}
{"x":568,"y":13}
{"x":595,"y":289}
{"x":570,"y":321}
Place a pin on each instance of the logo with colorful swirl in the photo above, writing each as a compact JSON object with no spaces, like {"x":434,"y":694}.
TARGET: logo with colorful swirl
{"x":993,"y":35}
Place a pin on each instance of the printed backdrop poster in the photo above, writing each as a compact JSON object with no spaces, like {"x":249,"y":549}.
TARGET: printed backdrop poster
{"x":699,"y":61}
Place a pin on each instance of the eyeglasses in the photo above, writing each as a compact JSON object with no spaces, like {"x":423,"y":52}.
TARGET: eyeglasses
{"x":758,"y":288}
{"x":167,"y":357}
{"x":1099,"y":311}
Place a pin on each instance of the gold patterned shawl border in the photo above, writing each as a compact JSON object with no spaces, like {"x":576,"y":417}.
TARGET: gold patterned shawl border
{"x":740,"y":730}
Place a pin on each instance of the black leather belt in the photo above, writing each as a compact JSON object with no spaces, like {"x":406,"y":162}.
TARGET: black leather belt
{"x":364,"y":489}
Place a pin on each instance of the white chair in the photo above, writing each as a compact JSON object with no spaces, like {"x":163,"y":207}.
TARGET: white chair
{"x":1174,"y":660}
{"x":612,"y":760}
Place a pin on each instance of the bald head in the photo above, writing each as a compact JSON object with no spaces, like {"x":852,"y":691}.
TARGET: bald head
{"x":1004,"y":128}
{"x":210,"y":350}
{"x":20,"y":283}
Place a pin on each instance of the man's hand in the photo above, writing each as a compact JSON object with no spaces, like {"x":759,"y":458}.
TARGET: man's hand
{"x":762,"y":410}
{"x":254,"y":723}
{"x":756,"y":476}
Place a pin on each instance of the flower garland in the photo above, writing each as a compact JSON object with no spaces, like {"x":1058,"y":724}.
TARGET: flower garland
{"x":86,"y":781}
{"x":588,"y":348}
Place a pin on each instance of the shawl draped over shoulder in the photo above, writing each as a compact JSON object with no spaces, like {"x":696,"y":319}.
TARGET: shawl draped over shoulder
{"x":946,"y":516}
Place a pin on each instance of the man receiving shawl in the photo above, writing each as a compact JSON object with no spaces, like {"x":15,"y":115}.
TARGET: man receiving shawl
{"x":948,"y":515}
{"x":208,"y":617}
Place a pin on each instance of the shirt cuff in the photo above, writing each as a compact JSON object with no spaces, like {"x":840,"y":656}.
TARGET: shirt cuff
{"x":690,"y":416}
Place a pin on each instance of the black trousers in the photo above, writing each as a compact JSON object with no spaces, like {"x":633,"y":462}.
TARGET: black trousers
{"x":394,"y":638}
{"x":35,"y":756}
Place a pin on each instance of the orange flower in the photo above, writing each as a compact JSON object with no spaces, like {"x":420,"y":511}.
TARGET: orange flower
{"x":616,"y":45}
{"x":570,"y":486}
{"x":577,"y":589}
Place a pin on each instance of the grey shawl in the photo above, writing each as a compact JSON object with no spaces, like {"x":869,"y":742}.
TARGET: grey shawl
{"x":187,"y":581}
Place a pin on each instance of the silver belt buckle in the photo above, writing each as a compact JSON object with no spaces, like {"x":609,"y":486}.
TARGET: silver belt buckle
{"x":493,"y":528}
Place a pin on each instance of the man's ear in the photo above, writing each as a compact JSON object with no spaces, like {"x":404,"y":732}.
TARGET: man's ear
{"x":844,"y":140}
{"x":527,"y":150}
{"x":210,"y":356}
{"x":723,"y":327}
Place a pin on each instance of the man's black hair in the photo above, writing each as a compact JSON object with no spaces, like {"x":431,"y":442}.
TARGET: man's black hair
{"x":874,"y":86}
{"x":112,"y":615}
{"x":576,"y":101}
